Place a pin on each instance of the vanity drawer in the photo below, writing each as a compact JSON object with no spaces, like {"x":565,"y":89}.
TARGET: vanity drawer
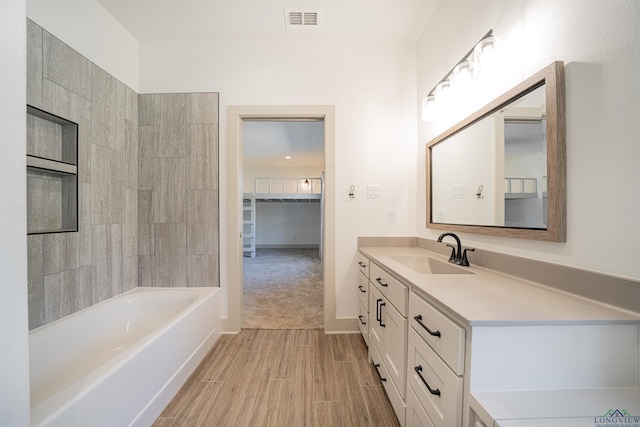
{"x":437,"y":388}
{"x":416,"y":415}
{"x":396,"y":292}
{"x":363,"y":264}
{"x":442,"y":334}
{"x":363,"y":324}
{"x":397,"y":403}
{"x":363,"y":290}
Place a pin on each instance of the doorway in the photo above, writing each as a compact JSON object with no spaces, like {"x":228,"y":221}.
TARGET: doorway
{"x":283,"y":166}
{"x":235,"y":118}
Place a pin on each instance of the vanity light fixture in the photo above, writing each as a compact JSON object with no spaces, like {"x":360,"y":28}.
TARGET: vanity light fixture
{"x":481,"y":59}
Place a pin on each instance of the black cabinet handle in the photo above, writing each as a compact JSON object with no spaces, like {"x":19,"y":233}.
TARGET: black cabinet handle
{"x":362,"y":321}
{"x":363,"y":290}
{"x":377,"y":366}
{"x":418,"y":370}
{"x":379,"y":311}
{"x":379,"y":280}
{"x":418,"y":319}
{"x":362,"y":264}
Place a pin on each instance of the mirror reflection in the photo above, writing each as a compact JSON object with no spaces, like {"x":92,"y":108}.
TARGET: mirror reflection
{"x":494,"y":172}
{"x":501,"y":171}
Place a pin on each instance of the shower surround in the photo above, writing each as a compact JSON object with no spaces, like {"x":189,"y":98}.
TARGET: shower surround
{"x":147,"y":186}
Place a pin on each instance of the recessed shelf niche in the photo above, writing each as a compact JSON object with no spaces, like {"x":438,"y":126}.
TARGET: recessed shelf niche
{"x":52,"y":173}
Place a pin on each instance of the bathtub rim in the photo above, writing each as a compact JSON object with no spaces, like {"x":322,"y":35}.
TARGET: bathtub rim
{"x":136,"y":290}
{"x":51,"y":407}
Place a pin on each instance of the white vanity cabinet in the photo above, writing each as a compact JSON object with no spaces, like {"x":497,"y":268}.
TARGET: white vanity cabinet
{"x":483,"y":349}
{"x":363,"y":296}
{"x":435,"y":363}
{"x":388,"y":303}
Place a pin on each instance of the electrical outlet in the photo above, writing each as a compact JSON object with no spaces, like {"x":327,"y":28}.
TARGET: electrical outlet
{"x":457,"y":191}
{"x":391,"y":216}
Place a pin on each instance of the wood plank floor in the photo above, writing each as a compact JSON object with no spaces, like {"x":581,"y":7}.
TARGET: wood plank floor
{"x":282,"y":378}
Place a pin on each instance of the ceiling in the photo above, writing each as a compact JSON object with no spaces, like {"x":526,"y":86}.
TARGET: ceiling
{"x":155,"y":20}
{"x":267,"y":143}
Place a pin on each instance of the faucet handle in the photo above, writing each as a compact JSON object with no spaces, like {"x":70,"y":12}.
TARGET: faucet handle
{"x":464,"y":261}
{"x":453,"y":255}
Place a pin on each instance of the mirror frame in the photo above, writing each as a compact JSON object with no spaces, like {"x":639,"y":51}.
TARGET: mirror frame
{"x":552,"y":77}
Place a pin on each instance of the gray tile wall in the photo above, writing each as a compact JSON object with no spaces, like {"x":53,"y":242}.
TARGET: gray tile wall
{"x":178,"y":198}
{"x":71,"y":271}
{"x":147,"y":186}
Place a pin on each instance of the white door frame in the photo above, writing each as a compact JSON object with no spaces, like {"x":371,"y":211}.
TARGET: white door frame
{"x":235,"y":115}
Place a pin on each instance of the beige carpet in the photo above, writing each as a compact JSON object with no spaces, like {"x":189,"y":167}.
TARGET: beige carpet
{"x":283,"y":289}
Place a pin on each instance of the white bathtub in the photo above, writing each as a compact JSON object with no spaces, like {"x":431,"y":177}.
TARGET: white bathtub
{"x":119,"y":362}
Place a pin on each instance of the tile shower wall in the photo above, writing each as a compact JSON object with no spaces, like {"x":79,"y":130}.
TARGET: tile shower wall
{"x":71,"y":271}
{"x":178,"y":197}
{"x":167,"y":186}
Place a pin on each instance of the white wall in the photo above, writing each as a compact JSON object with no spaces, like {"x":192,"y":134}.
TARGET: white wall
{"x":287,"y":224}
{"x":88,"y":28}
{"x":372,"y":86}
{"x":599,"y":41}
{"x":14,"y":344}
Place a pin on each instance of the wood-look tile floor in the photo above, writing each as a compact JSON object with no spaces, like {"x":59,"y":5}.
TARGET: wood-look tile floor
{"x":282,"y":378}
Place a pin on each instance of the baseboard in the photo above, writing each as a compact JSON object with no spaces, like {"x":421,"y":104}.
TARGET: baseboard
{"x":288,"y":246}
{"x":344,"y":325}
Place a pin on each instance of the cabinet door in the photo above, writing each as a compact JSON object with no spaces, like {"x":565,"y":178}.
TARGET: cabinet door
{"x":394,"y":345}
{"x":437,"y":388}
{"x":416,"y":415}
{"x":363,"y":264}
{"x":363,"y":290}
{"x":363,"y":324}
{"x":375,"y":324}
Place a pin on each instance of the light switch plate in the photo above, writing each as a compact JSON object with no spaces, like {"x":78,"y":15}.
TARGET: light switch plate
{"x":373,"y":191}
{"x":457,"y":191}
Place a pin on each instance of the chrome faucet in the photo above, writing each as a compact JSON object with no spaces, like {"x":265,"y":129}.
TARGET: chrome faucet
{"x":458,"y":256}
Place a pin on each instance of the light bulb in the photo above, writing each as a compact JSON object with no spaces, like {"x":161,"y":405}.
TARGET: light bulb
{"x":428,"y":108}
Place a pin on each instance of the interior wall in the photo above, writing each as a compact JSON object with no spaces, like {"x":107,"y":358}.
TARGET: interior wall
{"x":178,"y":198}
{"x":93,"y":32}
{"x":371,"y":84}
{"x":599,"y":43}
{"x":14,"y":337}
{"x":71,"y":271}
{"x":287,"y":224}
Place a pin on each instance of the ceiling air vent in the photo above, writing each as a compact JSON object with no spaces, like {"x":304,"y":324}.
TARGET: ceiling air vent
{"x":302,"y":18}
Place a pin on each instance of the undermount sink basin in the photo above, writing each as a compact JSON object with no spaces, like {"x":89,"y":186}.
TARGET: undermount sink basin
{"x":427,"y":265}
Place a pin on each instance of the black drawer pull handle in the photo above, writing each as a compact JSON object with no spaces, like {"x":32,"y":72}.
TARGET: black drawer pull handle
{"x":377,"y":366}
{"x":378,"y":301}
{"x":418,"y":319}
{"x":363,"y":290}
{"x":379,"y":280}
{"x":418,"y":370}
{"x":362,"y":321}
{"x":380,"y":321}
{"x":362,"y":264}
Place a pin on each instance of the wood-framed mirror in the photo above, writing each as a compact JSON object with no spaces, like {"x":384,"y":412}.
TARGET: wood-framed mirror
{"x":501,"y":171}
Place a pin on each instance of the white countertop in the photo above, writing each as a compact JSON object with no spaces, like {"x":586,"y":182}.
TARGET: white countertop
{"x":489,"y":298}
{"x":558,"y":407}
